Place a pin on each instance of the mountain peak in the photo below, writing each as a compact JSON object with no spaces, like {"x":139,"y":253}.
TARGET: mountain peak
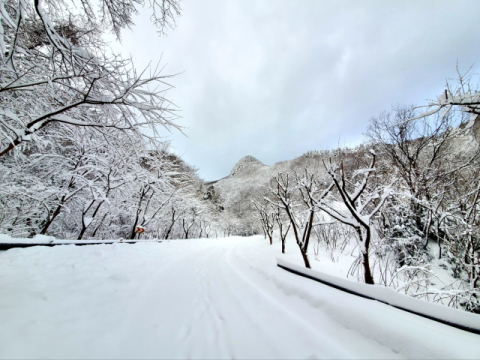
{"x":245,"y":163}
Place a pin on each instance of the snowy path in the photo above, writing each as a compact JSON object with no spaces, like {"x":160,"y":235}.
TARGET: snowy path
{"x":197,"y":299}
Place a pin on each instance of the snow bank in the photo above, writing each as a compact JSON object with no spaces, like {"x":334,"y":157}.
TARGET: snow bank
{"x":453,"y":317}
{"x":6,"y":241}
{"x":38,"y":239}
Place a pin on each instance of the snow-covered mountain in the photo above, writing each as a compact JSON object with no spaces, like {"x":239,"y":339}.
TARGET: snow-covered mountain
{"x":246,"y":163}
{"x":248,"y":179}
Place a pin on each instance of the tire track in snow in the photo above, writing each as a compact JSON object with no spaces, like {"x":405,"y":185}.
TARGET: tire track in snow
{"x":358,"y":317}
{"x":317,"y":304}
{"x":332,"y":349}
{"x":205,"y":318}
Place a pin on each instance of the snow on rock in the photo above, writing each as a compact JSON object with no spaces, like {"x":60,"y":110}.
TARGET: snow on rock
{"x":245,"y":163}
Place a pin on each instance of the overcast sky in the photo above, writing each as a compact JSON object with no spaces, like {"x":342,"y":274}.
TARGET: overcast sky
{"x":274,"y":79}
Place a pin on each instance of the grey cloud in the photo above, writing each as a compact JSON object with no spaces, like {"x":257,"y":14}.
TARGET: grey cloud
{"x":274,"y":79}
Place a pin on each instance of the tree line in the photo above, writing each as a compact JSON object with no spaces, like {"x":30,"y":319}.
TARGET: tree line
{"x":412,"y":187}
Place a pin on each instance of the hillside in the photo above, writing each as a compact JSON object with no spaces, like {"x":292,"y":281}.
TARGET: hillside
{"x":250,"y":177}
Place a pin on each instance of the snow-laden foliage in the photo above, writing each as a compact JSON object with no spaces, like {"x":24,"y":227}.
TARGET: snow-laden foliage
{"x":80,"y":149}
{"x":86,"y":187}
{"x":436,"y":159}
{"x":461,"y":95}
{"x":54,"y":68}
{"x":413,"y":212}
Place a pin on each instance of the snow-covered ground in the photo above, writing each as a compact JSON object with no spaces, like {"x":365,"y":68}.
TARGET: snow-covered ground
{"x":205,"y":298}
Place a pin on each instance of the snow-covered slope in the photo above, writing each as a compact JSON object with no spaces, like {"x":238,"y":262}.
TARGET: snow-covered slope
{"x":247,"y":180}
{"x":245,"y":163}
{"x":222,"y":298}
{"x":234,"y":193}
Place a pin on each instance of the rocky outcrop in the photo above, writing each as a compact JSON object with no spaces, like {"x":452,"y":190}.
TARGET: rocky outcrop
{"x":247,"y":162}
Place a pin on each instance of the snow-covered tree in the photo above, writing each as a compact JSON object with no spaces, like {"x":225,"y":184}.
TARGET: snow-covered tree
{"x":283,"y":225}
{"x":78,"y":127}
{"x":461,"y":94}
{"x":54,"y":69}
{"x":266,"y":216}
{"x":360,"y":201}
{"x":436,"y":157}
{"x":297,"y":196}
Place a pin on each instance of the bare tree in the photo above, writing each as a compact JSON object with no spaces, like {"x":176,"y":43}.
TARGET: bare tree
{"x":461,"y":93}
{"x":298,"y":201}
{"x":283,"y":226}
{"x":189,"y":221}
{"x":361,"y":204}
{"x":266,"y":216}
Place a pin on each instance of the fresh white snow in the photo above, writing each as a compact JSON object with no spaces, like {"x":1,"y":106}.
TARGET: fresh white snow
{"x":204,"y":298}
{"x":388,"y":295}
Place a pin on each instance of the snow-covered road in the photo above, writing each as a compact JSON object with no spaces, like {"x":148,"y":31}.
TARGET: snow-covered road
{"x":204,"y":299}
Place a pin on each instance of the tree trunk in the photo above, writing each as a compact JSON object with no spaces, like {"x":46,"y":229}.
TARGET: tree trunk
{"x":171,"y":225}
{"x":168,"y":231}
{"x":308,"y":231}
{"x":54,"y":215}
{"x":9,"y":147}
{"x":305,"y":259}
{"x":98,"y":227}
{"x":366,"y":261}
{"x":133,"y":233}
{"x":439,"y":248}
{"x":366,"y":268}
{"x":84,"y":228}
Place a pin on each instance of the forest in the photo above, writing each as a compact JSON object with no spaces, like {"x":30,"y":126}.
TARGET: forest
{"x":81,"y":151}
